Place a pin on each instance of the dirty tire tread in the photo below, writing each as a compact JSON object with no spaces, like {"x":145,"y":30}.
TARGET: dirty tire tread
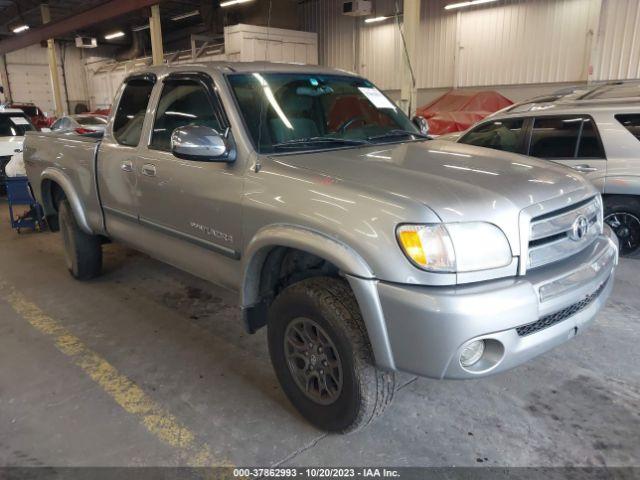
{"x":86,"y":250}
{"x":377,"y":386}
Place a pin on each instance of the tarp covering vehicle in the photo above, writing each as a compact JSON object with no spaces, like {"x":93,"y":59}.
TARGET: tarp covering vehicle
{"x":457,"y":110}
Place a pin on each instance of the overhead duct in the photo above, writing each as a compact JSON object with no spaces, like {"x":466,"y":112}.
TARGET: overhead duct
{"x":136,"y":50}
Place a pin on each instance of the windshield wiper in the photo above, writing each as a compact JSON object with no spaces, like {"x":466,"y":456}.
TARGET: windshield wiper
{"x":298,"y":142}
{"x":398,"y":132}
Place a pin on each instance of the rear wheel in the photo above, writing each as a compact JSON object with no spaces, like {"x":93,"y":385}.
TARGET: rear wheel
{"x":322,"y":357}
{"x":622,"y":214}
{"x":82,"y":252}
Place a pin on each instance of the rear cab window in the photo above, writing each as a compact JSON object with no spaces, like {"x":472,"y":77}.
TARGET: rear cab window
{"x":129,"y":117}
{"x":630,"y":121}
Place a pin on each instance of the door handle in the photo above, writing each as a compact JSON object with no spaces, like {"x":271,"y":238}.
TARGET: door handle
{"x":149,"y":169}
{"x":584,"y":168}
{"x":126,"y":166}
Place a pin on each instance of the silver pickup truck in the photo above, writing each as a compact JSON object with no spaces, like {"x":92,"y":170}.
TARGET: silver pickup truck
{"x":363,"y":246}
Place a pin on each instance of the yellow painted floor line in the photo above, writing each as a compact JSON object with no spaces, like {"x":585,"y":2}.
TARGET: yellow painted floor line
{"x":157,"y":420}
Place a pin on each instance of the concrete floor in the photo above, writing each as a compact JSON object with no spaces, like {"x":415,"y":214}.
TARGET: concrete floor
{"x":180,"y":343}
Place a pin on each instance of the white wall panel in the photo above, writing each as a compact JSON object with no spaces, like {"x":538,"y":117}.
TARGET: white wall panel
{"x":29,"y":79}
{"x":436,"y":45}
{"x":505,"y":43}
{"x":617,"y":52}
{"x":530,"y":41}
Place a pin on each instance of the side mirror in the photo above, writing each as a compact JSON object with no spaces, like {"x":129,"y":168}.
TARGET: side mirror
{"x":422,"y":124}
{"x":195,"y":142}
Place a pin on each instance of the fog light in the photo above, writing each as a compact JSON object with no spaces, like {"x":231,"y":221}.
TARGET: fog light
{"x":471,"y":353}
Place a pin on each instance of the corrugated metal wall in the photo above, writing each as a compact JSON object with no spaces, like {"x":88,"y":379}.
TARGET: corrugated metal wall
{"x":506,"y":43}
{"x":28,"y":72}
{"x":525,"y":42}
{"x":617,"y":52}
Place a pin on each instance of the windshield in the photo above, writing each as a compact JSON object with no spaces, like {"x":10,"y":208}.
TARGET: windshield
{"x":296,"y":111}
{"x":14,"y":125}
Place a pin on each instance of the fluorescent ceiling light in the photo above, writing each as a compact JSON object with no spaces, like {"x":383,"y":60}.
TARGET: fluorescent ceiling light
{"x":20,"y":28}
{"x":114,"y":35}
{"x":230,"y":3}
{"x":140,"y":28}
{"x":469,"y":3}
{"x":185,"y":15}
{"x":375,"y":19}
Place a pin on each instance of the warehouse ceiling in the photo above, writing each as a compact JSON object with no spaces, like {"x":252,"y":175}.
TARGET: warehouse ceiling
{"x":180,"y":19}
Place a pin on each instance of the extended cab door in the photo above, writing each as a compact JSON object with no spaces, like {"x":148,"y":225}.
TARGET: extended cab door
{"x":570,"y":140}
{"x":118,"y":156}
{"x":193,"y":201}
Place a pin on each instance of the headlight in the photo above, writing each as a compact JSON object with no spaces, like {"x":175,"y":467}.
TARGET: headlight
{"x":455,"y":247}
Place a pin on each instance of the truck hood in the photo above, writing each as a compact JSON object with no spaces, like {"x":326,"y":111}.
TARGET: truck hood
{"x":457,"y":182}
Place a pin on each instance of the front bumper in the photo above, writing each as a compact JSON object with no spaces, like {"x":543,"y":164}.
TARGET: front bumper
{"x":426,"y":328}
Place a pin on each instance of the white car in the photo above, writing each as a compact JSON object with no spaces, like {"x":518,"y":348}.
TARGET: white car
{"x":13,"y":125}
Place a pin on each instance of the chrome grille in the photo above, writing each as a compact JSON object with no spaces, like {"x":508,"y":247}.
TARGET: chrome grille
{"x":557,"y":317}
{"x":551,"y":236}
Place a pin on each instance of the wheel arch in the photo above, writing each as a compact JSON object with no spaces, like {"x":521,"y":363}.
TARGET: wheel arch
{"x":346,"y":259}
{"x":52,"y":182}
{"x":276,"y":240}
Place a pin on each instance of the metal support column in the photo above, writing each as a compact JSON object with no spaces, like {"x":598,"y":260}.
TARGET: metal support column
{"x":4,"y":79}
{"x":411,"y":23}
{"x":155,"y":29}
{"x":53,"y":63}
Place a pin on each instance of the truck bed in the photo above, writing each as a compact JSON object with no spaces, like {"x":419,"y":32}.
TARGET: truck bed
{"x":65,"y":160}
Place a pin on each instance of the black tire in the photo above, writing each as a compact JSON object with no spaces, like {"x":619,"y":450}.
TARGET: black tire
{"x":83,"y":252}
{"x":622,"y":214}
{"x":365,"y":389}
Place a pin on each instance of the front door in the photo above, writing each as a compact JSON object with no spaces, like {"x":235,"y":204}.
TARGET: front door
{"x":192,"y":201}
{"x":570,"y":140}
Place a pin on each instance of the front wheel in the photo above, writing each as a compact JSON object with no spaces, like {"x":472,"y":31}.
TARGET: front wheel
{"x":322,"y":357}
{"x":622,"y":214}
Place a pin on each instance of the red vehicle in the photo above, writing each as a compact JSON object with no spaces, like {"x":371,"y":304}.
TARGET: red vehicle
{"x":34,"y":113}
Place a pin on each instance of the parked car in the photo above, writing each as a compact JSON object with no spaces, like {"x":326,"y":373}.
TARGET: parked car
{"x":83,"y":123}
{"x":364,"y":247}
{"x":37,"y":116}
{"x":596,"y":134}
{"x":13,"y":125}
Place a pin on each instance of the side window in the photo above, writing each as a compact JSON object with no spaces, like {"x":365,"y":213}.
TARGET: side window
{"x":57,"y":125}
{"x":630,"y":121}
{"x":503,"y":135}
{"x":555,"y":137}
{"x":590,"y":145}
{"x":127,"y":125}
{"x":183,"y":102}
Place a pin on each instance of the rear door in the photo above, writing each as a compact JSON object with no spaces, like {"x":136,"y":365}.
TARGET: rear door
{"x":571,"y":140}
{"x":118,"y":155}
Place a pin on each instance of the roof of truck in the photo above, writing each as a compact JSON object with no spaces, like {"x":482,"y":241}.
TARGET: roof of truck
{"x":245,"y":67}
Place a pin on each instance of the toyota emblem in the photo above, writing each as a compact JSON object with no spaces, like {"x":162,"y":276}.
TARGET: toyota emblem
{"x":579,"y":228}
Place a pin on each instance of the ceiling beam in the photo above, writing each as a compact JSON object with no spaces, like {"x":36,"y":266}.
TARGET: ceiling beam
{"x":103,"y":12}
